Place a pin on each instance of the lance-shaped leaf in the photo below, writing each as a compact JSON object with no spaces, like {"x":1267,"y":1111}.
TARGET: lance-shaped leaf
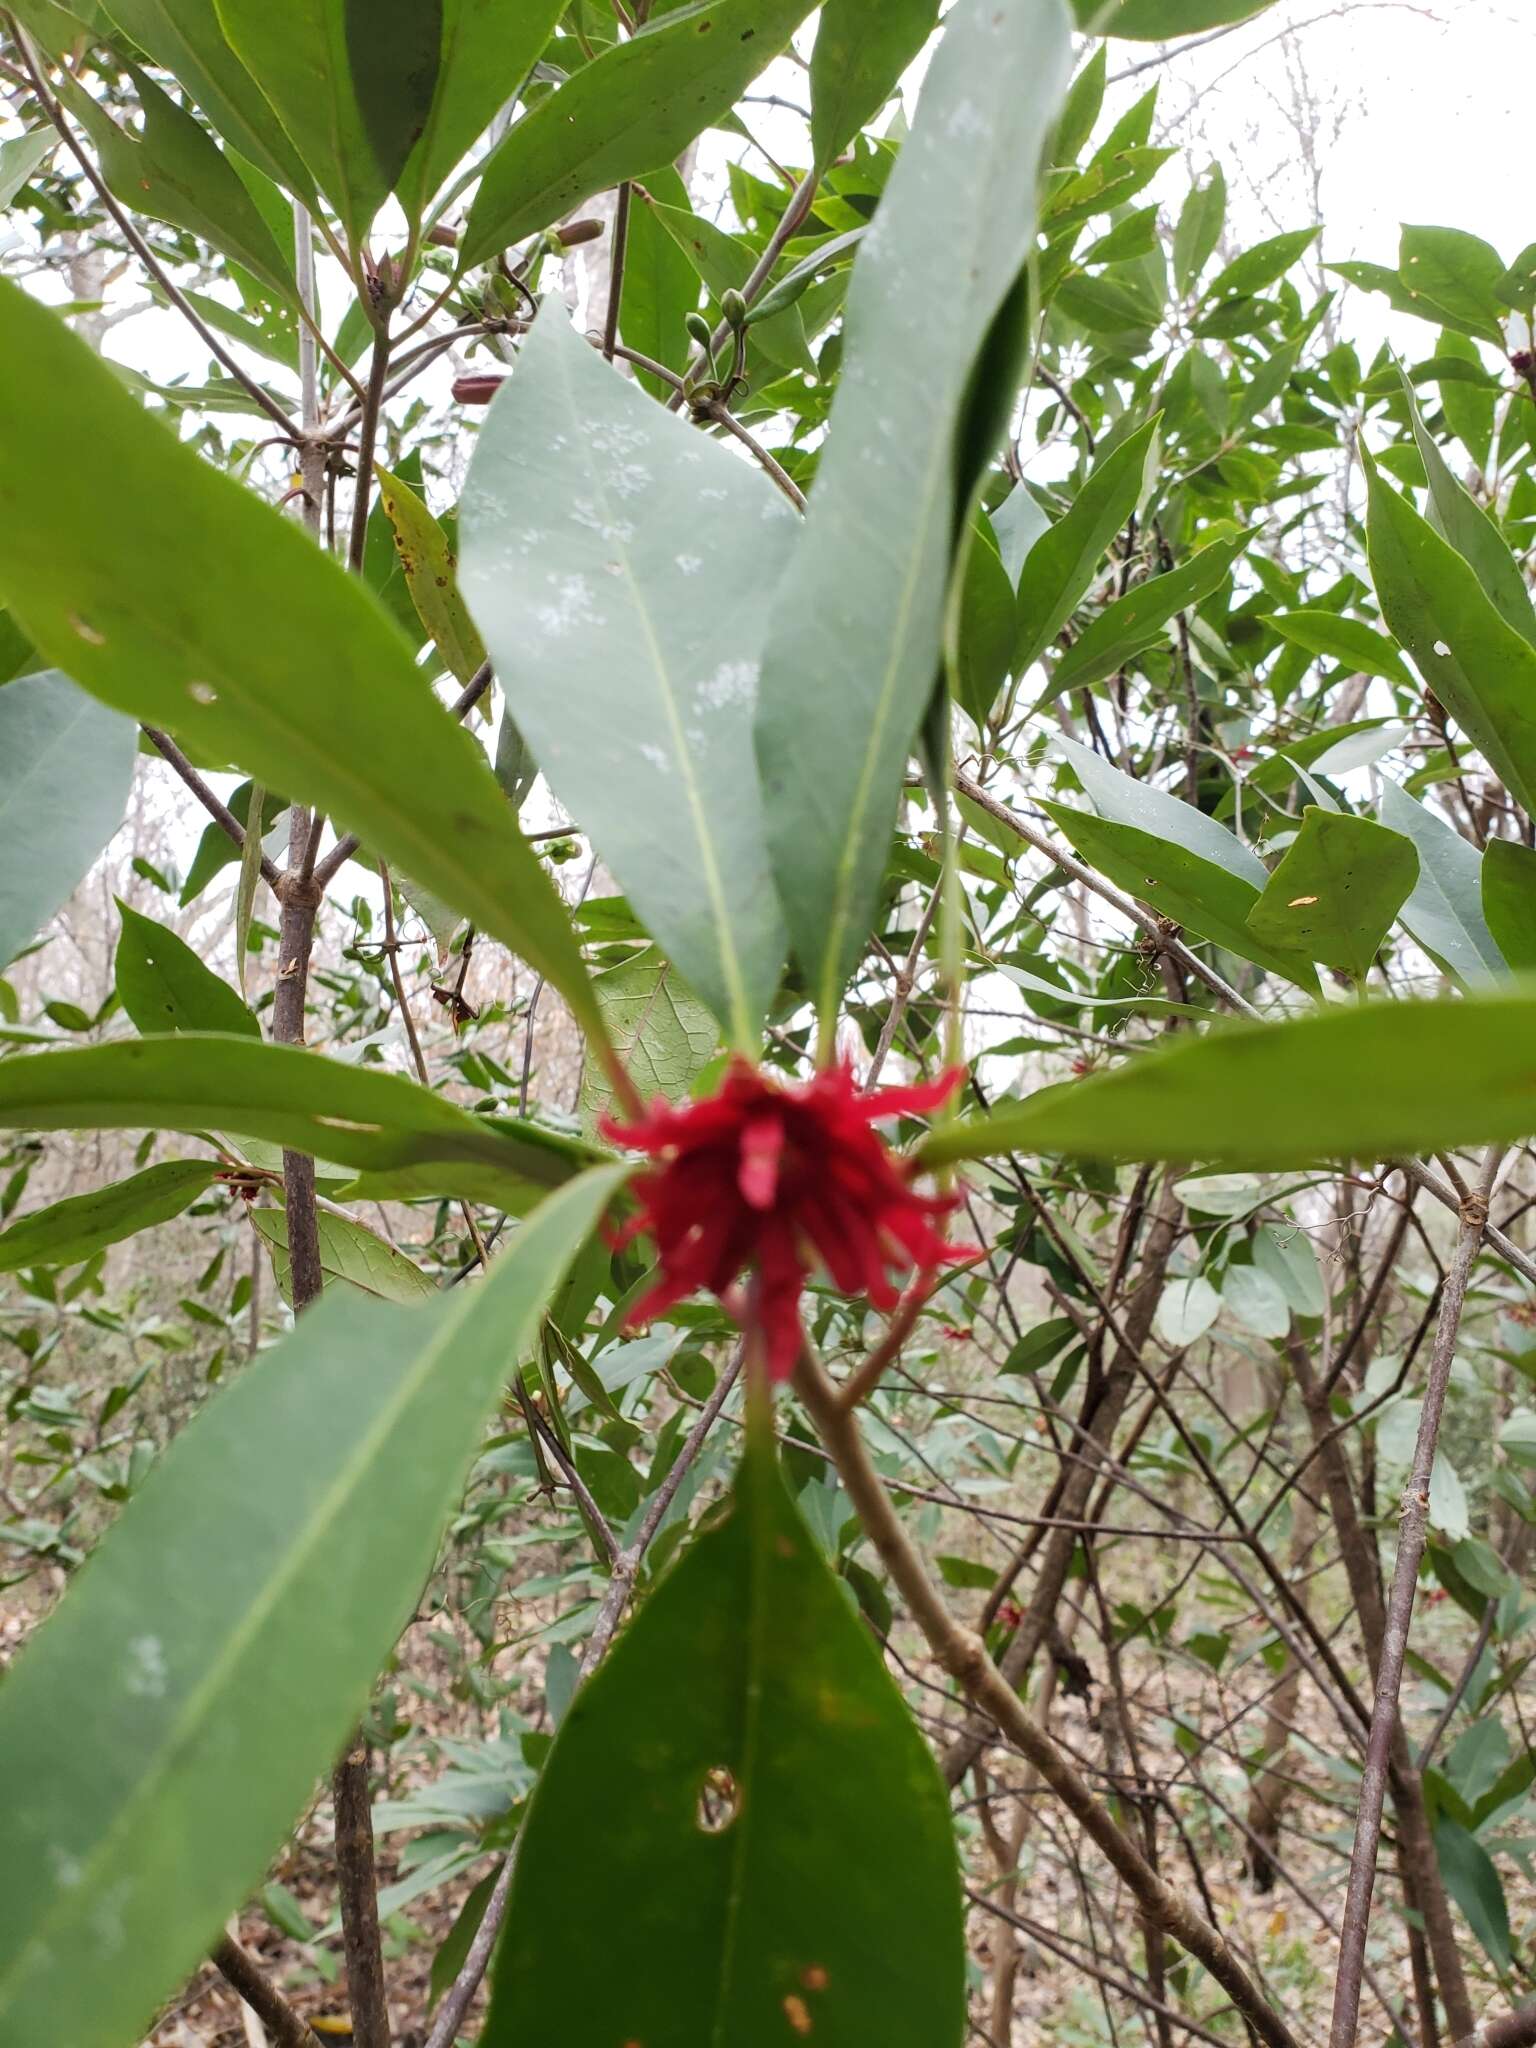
{"x":83,"y":1224}
{"x":358,"y":1116}
{"x":1350,"y":641}
{"x":1365,"y":1081}
{"x":66,"y":767}
{"x":1060,"y":565}
{"x":1336,"y":891}
{"x":1482,"y":669}
{"x":1445,"y":911}
{"x":186,"y":37}
{"x":352,"y":82}
{"x":859,"y":616}
{"x":621,"y":566}
{"x":699,"y":1807}
{"x":211,"y":614}
{"x":488,"y":48}
{"x":427,"y":562}
{"x":167,"y":1723}
{"x":1130,"y":801}
{"x":1136,"y":620}
{"x":1509,"y":901}
{"x":860,"y":54}
{"x":164,"y":986}
{"x":636,"y":105}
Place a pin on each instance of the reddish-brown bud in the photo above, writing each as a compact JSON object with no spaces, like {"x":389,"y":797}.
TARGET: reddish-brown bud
{"x":478,"y":388}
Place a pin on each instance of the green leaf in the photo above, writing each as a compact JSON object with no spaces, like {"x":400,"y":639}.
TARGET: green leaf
{"x":664,"y":1034}
{"x":724,"y":263}
{"x":352,"y":82}
{"x":1366,"y":1080}
{"x":358,"y":1116}
{"x":1114,"y":794}
{"x":1481,"y":669}
{"x":66,"y":767}
{"x":745,"y":1678}
{"x":430,"y":570}
{"x":164,"y":1727}
{"x":1459,"y":273}
{"x":21,"y":158}
{"x":1155,"y":21}
{"x":1262,"y":265}
{"x":661,"y":286}
{"x":217,"y":851}
{"x":638,"y":104}
{"x":175,"y":172}
{"x":584,"y":551}
{"x":1337,"y":890}
{"x":860,"y":54}
{"x":1509,"y":901}
{"x":74,"y":1229}
{"x":1363,"y":651}
{"x":984,"y":626}
{"x":185,"y":37}
{"x":1445,"y":912}
{"x":1474,"y":1884}
{"x":1063,"y":563}
{"x":163,"y":986}
{"x":1199,"y":229}
{"x":1256,"y":1300}
{"x":211,"y":614}
{"x":351,"y":1256}
{"x":1133,"y":622}
{"x":859,"y":617}
{"x":488,"y":48}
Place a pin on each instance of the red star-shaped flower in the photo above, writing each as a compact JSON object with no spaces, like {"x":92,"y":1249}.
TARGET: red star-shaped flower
{"x":778,"y":1178}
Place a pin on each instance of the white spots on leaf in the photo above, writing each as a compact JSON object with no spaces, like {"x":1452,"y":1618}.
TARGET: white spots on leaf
{"x":570,"y":606}
{"x":733,"y":683}
{"x":146,"y":1674}
{"x":202,"y":693}
{"x":629,"y":479}
{"x":617,"y":437}
{"x":1442,"y":650}
{"x":714,"y":494}
{"x":616,"y":532}
{"x":68,"y":1871}
{"x":966,"y":123}
{"x":690,"y":565}
{"x":656,"y":756}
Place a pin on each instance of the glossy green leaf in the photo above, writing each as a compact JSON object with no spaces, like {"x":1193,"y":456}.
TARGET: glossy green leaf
{"x":1155,"y":21}
{"x":430,"y":570}
{"x":1263,"y":265}
{"x":162,"y":1730}
{"x":1474,"y":1883}
{"x":211,"y":614}
{"x":664,"y":1034}
{"x":22,"y":158}
{"x":1481,"y":669}
{"x":488,"y":48}
{"x":1509,"y":901}
{"x":351,"y":81}
{"x":860,"y":54}
{"x":1178,"y":884}
{"x":1133,"y":622}
{"x":638,"y":104}
{"x":358,"y":1116}
{"x":1368,"y":1081}
{"x":66,"y":767}
{"x":1458,"y":272}
{"x":175,"y":172}
{"x":163,"y":986}
{"x":1338,"y":887}
{"x":859,"y":617}
{"x":83,"y":1224}
{"x":351,"y":1256}
{"x":186,"y":37}
{"x":1350,"y":641}
{"x":584,"y":552}
{"x":1063,"y":563}
{"x":1445,"y":912}
{"x":746,"y":1678}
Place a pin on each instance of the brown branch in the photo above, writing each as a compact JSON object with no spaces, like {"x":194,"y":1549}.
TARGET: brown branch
{"x":287,"y":2028}
{"x":214,"y":805}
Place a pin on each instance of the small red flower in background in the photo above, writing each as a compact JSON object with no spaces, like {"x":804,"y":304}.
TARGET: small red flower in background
{"x":778,"y":1178}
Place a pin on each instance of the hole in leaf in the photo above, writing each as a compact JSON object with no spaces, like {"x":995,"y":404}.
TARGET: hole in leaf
{"x":719,"y":1801}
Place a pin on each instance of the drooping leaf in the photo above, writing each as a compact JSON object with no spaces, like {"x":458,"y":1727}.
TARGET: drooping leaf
{"x":853,"y":656}
{"x":1474,"y":1883}
{"x":860,"y":54}
{"x":1135,"y":621}
{"x":699,"y":1805}
{"x":163,"y":986}
{"x":1336,"y":891}
{"x":216,"y":850}
{"x":430,"y":570}
{"x":1368,"y":1081}
{"x":1130,"y":801}
{"x":488,"y":47}
{"x":351,"y":82}
{"x":1509,"y":901}
{"x":1445,"y":912}
{"x":358,"y":1116}
{"x":166,"y":1724}
{"x":351,"y":1256}
{"x":75,"y":1228}
{"x":1063,"y":563}
{"x":605,"y":536}
{"x":661,"y":285}
{"x":66,"y":767}
{"x":212,"y":615}
{"x":1351,"y":641}
{"x":1199,"y":227}
{"x":1480,"y":668}
{"x":636,"y":105}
